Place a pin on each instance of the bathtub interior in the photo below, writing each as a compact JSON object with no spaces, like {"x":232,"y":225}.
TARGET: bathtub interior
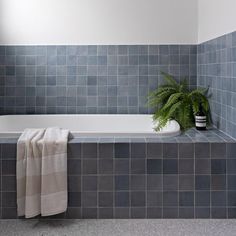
{"x":88,"y":125}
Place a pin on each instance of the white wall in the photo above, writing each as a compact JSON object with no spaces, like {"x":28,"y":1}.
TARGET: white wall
{"x":115,"y":21}
{"x":98,"y":21}
{"x":215,"y":18}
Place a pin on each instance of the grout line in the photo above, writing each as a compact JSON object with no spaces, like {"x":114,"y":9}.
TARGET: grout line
{"x":194,"y":185}
{"x":210,"y":182}
{"x":130,"y":203}
{"x":146,"y":182}
{"x":226,"y":183}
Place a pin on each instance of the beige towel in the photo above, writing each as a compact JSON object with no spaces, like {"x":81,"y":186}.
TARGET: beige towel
{"x":41,"y":172}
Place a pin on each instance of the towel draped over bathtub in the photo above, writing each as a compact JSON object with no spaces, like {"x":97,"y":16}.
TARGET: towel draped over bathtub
{"x":41,"y":172}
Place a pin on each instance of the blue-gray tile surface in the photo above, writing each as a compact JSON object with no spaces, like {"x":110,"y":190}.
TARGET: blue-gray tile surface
{"x":88,"y":79}
{"x":217,"y":70}
{"x":140,"y":177}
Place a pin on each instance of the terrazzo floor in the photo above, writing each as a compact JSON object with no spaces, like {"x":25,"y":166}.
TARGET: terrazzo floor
{"x":118,"y":227}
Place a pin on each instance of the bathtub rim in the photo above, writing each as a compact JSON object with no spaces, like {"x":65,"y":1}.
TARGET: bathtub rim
{"x":138,"y":133}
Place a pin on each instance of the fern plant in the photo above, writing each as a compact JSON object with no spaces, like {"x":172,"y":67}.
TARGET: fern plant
{"x":176,"y":101}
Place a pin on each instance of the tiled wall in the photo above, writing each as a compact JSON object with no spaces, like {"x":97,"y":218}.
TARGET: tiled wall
{"x":114,"y":79}
{"x":217,"y":69}
{"x":87,"y":79}
{"x":141,"y":179}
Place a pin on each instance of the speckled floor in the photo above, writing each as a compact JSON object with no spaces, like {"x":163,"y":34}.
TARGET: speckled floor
{"x":118,"y":227}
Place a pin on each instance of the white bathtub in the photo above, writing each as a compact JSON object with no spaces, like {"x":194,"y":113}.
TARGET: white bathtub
{"x":88,"y":125}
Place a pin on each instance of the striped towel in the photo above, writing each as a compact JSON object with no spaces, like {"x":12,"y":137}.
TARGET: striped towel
{"x":41,"y":172}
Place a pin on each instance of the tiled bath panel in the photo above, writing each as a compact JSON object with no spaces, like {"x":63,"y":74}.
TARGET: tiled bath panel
{"x":88,"y":79}
{"x":217,"y":70}
{"x":190,"y":176}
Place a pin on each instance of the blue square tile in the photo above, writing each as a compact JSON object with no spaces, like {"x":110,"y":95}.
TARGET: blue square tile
{"x":122,"y":49}
{"x":10,"y":70}
{"x":122,"y":199}
{"x":170,"y":166}
{"x":2,"y":50}
{"x":138,"y":182}
{"x":233,"y":39}
{"x":218,"y":166}
{"x":72,"y":50}
{"x":202,"y":150}
{"x":170,"y":182}
{"x":218,"y":150}
{"x":122,"y":182}
{"x":170,"y":198}
{"x":202,"y":212}
{"x":232,"y":198}
{"x":154,"y":166}
{"x":153,"y":60}
{"x":138,"y":199}
{"x":170,"y":212}
{"x":92,"y":50}
{"x":219,"y":213}
{"x":202,"y":198}
{"x":153,"y":49}
{"x":122,"y":150}
{"x":61,"y":50}
{"x":164,"y":49}
{"x":231,"y":166}
{"x":138,"y":150}
{"x":218,"y":198}
{"x":170,"y":150}
{"x":186,"y":199}
{"x":202,"y":182}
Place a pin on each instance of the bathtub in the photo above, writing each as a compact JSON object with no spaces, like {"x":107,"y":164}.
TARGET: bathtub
{"x":88,"y":125}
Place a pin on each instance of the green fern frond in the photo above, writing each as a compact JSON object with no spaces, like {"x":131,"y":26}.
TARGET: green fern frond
{"x":195,"y":106}
{"x":159,"y":98}
{"x":174,"y":100}
{"x":183,"y":87}
{"x":169,"y":79}
{"x":166,"y":115}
